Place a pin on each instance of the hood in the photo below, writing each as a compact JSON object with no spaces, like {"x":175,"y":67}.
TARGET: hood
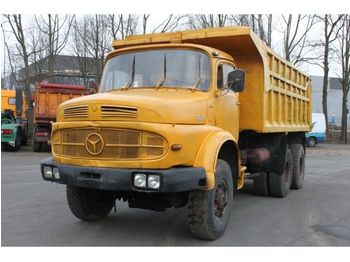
{"x":148,"y":105}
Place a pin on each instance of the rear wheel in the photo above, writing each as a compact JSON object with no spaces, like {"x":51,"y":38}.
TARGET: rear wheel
{"x":279,"y":184}
{"x":24,"y":139}
{"x":17,"y":141}
{"x":261,"y":186}
{"x":89,"y":204}
{"x":209,"y":211}
{"x":298,"y":171}
{"x":36,"y":146}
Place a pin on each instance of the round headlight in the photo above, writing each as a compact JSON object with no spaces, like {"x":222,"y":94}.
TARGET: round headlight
{"x":48,"y":171}
{"x":140,"y":180}
{"x":154,"y":181}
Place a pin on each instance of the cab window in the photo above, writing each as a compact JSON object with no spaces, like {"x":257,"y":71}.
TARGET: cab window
{"x":222,"y":76}
{"x":11,"y":101}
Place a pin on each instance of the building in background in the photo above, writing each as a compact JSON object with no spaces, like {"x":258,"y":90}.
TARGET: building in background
{"x":66,"y":70}
{"x":335,"y":95}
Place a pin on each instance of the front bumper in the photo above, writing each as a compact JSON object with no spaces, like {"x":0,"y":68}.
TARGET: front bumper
{"x":172,"y":180}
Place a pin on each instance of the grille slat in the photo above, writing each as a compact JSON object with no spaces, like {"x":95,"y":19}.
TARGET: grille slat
{"x":118,"y":111}
{"x":76,"y":112}
{"x":118,"y":144}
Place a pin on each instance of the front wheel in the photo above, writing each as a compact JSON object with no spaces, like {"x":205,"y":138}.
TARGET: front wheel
{"x":209,"y":211}
{"x":89,"y":204}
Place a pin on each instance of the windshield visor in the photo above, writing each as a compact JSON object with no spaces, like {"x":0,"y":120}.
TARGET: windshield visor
{"x":159,"y":68}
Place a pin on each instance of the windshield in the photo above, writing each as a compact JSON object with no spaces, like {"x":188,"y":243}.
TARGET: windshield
{"x":157,"y":68}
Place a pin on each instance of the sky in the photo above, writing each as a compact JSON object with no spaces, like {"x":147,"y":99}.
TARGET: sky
{"x":160,"y":12}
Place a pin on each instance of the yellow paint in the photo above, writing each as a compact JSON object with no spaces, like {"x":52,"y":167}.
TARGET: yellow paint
{"x":7,"y":96}
{"x":277,"y":98}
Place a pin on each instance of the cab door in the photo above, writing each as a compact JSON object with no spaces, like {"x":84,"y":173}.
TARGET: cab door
{"x":227,"y":101}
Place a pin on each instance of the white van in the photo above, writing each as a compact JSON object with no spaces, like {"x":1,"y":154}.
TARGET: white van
{"x":318,"y":132}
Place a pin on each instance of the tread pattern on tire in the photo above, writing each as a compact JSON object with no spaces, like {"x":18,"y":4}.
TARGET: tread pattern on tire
{"x":297,"y":151}
{"x":276,"y":186}
{"x":82,"y":208}
{"x":261,"y":186}
{"x":201,"y":224}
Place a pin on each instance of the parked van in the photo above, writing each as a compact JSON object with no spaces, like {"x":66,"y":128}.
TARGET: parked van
{"x":318,"y":131}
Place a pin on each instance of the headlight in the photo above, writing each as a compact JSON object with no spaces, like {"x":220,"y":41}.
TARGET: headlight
{"x":48,"y":171}
{"x":140,"y":180}
{"x":153,"y":181}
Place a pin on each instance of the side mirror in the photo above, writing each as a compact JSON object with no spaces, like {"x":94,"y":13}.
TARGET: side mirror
{"x":236,"y":80}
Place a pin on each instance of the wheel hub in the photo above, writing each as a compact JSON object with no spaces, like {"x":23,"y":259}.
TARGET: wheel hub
{"x":220,"y":199}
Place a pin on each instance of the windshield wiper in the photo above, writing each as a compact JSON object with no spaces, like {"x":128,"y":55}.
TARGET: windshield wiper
{"x":196,"y":84}
{"x":162,"y":80}
{"x":131,"y":81}
{"x":199,"y":75}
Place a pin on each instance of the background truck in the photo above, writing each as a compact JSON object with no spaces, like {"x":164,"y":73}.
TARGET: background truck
{"x":182,"y":119}
{"x":8,"y":100}
{"x":318,"y":132}
{"x":47,"y":97}
{"x":14,"y":126}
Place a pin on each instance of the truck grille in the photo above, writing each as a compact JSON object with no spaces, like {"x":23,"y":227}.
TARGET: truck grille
{"x":108,"y":143}
{"x":118,"y":111}
{"x":76,"y":112}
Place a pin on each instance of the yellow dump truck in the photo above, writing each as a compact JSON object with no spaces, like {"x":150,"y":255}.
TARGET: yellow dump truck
{"x":182,"y":119}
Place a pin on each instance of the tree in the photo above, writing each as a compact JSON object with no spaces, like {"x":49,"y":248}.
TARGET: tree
{"x":169,"y":24}
{"x":37,"y":45}
{"x":208,"y":21}
{"x":330,"y":34}
{"x":97,"y":40}
{"x":80,"y":47}
{"x":15,"y":22}
{"x":296,"y":36}
{"x":344,"y":57}
{"x":56,"y":30}
{"x":12,"y":63}
{"x":128,"y":25}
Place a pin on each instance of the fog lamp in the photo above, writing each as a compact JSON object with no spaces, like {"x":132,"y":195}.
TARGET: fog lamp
{"x":48,"y":171}
{"x":154,"y":181}
{"x":56,"y":173}
{"x":140,"y":180}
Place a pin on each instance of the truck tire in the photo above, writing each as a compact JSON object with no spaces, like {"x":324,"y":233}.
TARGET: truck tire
{"x":36,"y":146}
{"x":17,"y":141}
{"x":298,"y":170}
{"x":279,"y":184}
{"x":24,"y":139}
{"x":209,"y":211}
{"x":89,"y":204}
{"x":261,"y":186}
{"x":311,"y":142}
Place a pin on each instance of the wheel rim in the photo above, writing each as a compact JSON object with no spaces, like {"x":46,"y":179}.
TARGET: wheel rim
{"x":220,"y":203}
{"x":312,"y":142}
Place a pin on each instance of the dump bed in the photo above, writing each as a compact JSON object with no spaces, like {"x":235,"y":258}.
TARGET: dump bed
{"x":277,"y":97}
{"x":48,"y":96}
